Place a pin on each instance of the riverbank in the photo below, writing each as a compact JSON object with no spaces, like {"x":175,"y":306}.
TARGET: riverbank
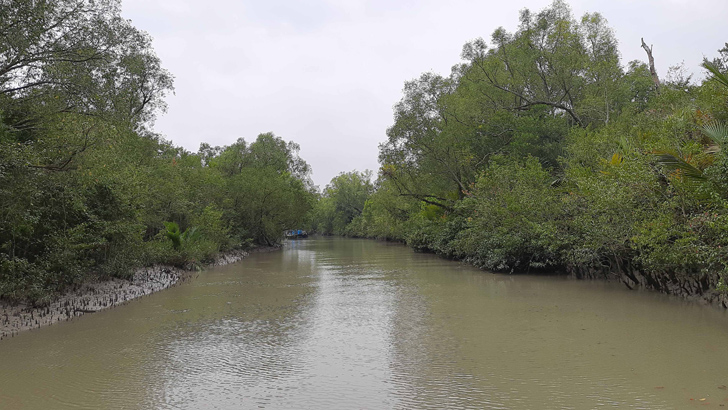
{"x":700,"y":288}
{"x":97,"y":295}
{"x":697,"y":287}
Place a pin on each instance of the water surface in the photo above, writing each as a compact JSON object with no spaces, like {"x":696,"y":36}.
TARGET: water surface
{"x":355,"y":324}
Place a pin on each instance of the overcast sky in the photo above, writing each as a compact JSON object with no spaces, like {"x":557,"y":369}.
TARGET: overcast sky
{"x":326,"y":73}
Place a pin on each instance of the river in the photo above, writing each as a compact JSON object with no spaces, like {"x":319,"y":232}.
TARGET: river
{"x":356,"y":324}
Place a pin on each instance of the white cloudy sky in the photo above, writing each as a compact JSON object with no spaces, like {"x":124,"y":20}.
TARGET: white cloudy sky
{"x":326,"y":73}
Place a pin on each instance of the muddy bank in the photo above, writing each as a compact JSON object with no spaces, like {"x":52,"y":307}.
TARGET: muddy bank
{"x":97,"y":295}
{"x":699,"y":288}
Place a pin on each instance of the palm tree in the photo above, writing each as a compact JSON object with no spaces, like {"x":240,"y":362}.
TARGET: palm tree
{"x":715,"y":130}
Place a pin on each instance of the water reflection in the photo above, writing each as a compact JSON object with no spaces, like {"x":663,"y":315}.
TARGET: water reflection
{"x":337,"y":324}
{"x":252,"y":355}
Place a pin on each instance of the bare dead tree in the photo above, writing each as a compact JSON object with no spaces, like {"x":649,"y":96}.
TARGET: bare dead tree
{"x":655,"y":78}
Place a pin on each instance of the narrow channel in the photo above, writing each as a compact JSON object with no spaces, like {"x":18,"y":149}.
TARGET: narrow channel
{"x":332,"y":323}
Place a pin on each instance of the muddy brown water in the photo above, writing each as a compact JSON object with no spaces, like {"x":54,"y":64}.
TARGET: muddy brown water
{"x":355,"y":324}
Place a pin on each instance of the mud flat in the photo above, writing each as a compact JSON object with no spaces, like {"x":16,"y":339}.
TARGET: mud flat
{"x":97,"y":295}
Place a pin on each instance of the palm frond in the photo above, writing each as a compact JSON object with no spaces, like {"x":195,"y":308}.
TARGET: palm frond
{"x":173,"y":234}
{"x":680,"y":168}
{"x":717,"y":75}
{"x":190,"y":235}
{"x":717,"y":131}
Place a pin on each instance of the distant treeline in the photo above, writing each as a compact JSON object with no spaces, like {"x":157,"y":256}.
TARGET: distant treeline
{"x":543,"y":151}
{"x":86,"y":188}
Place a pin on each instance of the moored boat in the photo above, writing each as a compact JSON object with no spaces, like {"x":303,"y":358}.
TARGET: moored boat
{"x":295,"y":234}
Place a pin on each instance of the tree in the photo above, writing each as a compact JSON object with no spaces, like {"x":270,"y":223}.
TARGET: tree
{"x":349,"y":192}
{"x":77,"y":56}
{"x":552,"y":61}
{"x":519,"y":96}
{"x":342,"y":201}
{"x":651,"y":59}
{"x":73,"y":69}
{"x":268,"y":186}
{"x":421,"y":157}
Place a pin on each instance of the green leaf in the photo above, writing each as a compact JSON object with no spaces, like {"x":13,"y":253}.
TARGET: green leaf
{"x":616,"y":159}
{"x":678,"y":166}
{"x":191,"y":235}
{"x":173,"y":234}
{"x":717,"y":131}
{"x":717,"y":75}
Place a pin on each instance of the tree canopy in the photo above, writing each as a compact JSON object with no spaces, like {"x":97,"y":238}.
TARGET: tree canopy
{"x":87,"y":188}
{"x":541,"y":150}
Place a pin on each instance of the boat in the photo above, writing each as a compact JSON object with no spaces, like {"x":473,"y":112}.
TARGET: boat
{"x":296,"y":234}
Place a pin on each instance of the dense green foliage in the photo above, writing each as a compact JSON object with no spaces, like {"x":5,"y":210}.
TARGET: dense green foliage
{"x":542,"y":151}
{"x":342,"y":203}
{"x":87,"y":188}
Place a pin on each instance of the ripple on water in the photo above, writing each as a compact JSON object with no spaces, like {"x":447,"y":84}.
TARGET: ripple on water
{"x":347,"y":324}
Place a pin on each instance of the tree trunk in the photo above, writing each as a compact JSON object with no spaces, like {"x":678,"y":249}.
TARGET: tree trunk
{"x":655,"y":78}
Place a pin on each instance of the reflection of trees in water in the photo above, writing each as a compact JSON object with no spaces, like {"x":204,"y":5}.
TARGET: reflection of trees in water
{"x":425,"y":360}
{"x":248,"y":342}
{"x":346,"y":364}
{"x":363,"y":324}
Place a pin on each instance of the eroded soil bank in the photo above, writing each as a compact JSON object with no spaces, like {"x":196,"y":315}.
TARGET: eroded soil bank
{"x":699,"y":288}
{"x":97,"y":295}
